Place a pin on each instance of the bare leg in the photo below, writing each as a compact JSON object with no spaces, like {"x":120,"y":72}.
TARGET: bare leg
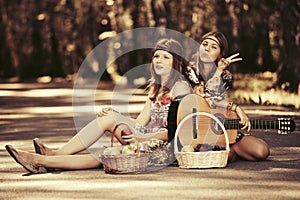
{"x":63,"y":157}
{"x":91,"y":133}
{"x":78,"y":143}
{"x":250,"y":148}
{"x":33,"y":162}
{"x":84,"y":161}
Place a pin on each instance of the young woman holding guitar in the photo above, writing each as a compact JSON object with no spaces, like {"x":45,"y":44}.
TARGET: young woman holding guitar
{"x":209,"y":78}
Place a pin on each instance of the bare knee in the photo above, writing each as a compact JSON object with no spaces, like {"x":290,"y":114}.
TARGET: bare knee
{"x":251,"y":148}
{"x":106,"y":119}
{"x":262,"y":152}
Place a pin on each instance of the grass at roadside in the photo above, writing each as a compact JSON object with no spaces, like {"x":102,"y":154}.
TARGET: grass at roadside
{"x":256,"y":89}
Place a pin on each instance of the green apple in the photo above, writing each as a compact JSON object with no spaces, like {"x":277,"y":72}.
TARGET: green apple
{"x":112,"y":151}
{"x":187,"y":148}
{"x":128,"y":150}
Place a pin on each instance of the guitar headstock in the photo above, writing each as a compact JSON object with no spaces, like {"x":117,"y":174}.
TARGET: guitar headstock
{"x":286,"y":126}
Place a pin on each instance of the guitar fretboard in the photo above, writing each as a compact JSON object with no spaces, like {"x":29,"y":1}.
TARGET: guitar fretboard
{"x":283,"y":125}
{"x":255,"y":124}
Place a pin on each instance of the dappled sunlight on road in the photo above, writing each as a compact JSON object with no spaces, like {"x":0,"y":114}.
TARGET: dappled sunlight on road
{"x":35,"y":110}
{"x":29,"y":111}
{"x":54,"y":98}
{"x":190,"y":184}
{"x":38,"y":93}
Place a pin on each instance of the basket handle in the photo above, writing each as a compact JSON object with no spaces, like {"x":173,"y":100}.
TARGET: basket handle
{"x":113,"y":135}
{"x":205,"y":114}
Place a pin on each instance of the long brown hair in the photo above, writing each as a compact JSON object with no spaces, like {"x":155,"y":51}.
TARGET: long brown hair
{"x":173,"y":47}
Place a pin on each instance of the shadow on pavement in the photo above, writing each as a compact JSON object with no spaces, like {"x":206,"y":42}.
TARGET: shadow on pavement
{"x":45,"y":111}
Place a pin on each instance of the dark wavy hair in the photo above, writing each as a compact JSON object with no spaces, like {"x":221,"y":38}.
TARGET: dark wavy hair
{"x":173,"y":47}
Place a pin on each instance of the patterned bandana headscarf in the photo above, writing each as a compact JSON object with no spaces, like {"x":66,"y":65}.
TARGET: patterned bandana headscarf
{"x":176,"y":52}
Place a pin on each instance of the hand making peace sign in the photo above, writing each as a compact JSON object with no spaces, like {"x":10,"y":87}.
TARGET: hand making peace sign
{"x":225,"y":62}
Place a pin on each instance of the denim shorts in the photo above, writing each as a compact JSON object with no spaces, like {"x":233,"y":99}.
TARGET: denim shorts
{"x":239,"y":136}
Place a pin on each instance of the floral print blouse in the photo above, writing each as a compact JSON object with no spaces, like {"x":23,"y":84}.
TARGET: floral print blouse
{"x":159,"y":115}
{"x":213,"y":88}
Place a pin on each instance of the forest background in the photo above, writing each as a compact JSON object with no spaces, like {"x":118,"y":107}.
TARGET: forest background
{"x":51,"y":38}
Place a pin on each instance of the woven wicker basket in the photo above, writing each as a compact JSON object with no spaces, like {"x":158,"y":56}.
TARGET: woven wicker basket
{"x":207,"y":159}
{"x":120,"y":164}
{"x":124,"y":163}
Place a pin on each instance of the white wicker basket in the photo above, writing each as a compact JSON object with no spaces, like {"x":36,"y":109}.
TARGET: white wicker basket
{"x":207,"y":159}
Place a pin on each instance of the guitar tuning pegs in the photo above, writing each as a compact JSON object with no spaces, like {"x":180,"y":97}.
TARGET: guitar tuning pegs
{"x":285,"y":125}
{"x":280,"y":132}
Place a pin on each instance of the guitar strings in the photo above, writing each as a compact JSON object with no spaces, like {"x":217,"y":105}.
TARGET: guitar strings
{"x":234,"y":123}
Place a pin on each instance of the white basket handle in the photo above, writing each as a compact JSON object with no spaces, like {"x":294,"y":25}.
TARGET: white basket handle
{"x":205,"y":114}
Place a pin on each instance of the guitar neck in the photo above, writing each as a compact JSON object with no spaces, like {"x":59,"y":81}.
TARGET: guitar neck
{"x":282,"y":125}
{"x":255,"y":124}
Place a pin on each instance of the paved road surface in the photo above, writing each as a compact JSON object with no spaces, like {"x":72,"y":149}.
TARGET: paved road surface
{"x":45,"y":111}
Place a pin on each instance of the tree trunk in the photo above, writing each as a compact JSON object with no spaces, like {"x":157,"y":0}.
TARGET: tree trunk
{"x":197,"y":22}
{"x":289,"y":72}
{"x":10,"y":41}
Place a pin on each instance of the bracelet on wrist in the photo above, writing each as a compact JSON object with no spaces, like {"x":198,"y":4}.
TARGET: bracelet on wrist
{"x":234,"y":107}
{"x":229,"y":106}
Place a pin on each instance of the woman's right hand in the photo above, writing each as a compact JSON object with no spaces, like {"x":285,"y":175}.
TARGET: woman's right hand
{"x":104,"y":112}
{"x":225,"y":62}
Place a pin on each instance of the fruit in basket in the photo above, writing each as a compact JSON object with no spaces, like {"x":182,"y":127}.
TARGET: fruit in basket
{"x":187,"y":148}
{"x":202,"y":147}
{"x":208,"y":147}
{"x":128,"y":150}
{"x":112,"y":151}
{"x":218,"y":148}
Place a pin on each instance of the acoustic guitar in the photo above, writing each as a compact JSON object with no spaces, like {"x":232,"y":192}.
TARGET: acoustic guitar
{"x":204,"y":130}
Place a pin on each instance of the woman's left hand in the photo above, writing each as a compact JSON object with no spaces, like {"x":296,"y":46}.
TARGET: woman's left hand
{"x":225,"y":62}
{"x":244,"y":120}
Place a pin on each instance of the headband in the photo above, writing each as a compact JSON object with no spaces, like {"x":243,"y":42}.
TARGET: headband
{"x":209,"y":38}
{"x":167,"y":49}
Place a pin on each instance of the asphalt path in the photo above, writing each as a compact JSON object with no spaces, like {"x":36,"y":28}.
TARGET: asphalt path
{"x":46,"y":111}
